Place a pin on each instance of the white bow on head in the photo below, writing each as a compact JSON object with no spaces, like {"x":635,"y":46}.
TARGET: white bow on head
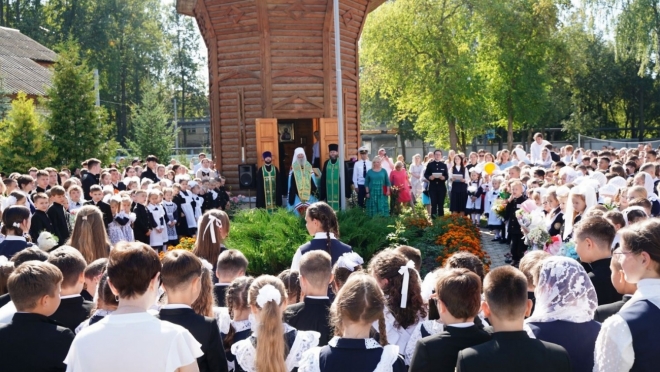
{"x":213,"y":221}
{"x":5,"y":261}
{"x":404,"y":270}
{"x":207,"y":265}
{"x":268,"y":293}
{"x":349,"y":260}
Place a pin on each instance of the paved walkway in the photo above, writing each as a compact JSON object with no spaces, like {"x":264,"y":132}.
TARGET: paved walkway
{"x":496,"y":250}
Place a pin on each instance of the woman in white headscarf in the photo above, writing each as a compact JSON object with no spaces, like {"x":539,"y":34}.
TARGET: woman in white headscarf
{"x":567,"y":175}
{"x":521,"y":156}
{"x":580,"y":199}
{"x":564,"y":311}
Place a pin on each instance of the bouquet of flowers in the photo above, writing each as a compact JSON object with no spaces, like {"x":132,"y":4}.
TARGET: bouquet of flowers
{"x":505,"y":195}
{"x":524,"y":214}
{"x":554,"y":246}
{"x":472,"y":190}
{"x":537,"y":238}
{"x":46,"y":241}
{"x":568,"y":250}
{"x":499,"y":208}
{"x":609,"y":204}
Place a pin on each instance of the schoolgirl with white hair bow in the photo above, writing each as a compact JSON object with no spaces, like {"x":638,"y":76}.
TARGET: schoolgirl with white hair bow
{"x":213,"y":230}
{"x":398,"y":279}
{"x":274,"y":346}
{"x":15,"y":222}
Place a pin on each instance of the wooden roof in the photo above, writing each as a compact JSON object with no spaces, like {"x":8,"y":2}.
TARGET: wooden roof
{"x":23,"y":63}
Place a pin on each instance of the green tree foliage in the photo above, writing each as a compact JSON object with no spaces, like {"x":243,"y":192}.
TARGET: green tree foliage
{"x":79,"y":128}
{"x":25,"y":141}
{"x":152,"y":132}
{"x":420,"y":54}
{"x":516,"y":45}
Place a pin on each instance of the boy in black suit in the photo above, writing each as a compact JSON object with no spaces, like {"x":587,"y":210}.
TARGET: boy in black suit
{"x":93,"y":273}
{"x":58,"y":215}
{"x":96,"y":193}
{"x":458,"y":302}
{"x":620,"y":284}
{"x":231,"y":265}
{"x":40,"y":221}
{"x":73,"y":309}
{"x":313,"y":313}
{"x":27,"y":254}
{"x":32,"y":341}
{"x":593,"y":241}
{"x":143,"y":221}
{"x":181,"y":278}
{"x":511,"y":349}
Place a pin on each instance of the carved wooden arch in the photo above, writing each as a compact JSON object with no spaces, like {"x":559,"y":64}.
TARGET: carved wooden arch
{"x":293,"y":98}
{"x":239,"y":72}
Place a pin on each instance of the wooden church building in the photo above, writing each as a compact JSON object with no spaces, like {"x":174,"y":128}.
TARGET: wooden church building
{"x":272,"y":76}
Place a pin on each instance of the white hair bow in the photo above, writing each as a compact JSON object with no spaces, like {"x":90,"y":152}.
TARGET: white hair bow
{"x":5,"y":261}
{"x":268,"y":293}
{"x":16,"y":225}
{"x":349,"y":260}
{"x":404,"y":270}
{"x":213,"y":221}
{"x":207,"y":265}
{"x":11,"y":200}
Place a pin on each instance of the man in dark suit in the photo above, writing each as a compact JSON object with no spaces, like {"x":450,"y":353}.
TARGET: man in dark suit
{"x":437,"y":183}
{"x":73,"y":309}
{"x":459,"y":300}
{"x":313,"y":313}
{"x":91,"y":178}
{"x":511,"y":349}
{"x":181,"y":278}
{"x":32,"y":341}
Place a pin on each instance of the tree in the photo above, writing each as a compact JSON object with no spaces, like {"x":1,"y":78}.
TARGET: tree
{"x":79,"y":128}
{"x":25,"y":141}
{"x":420,"y":54}
{"x":152,"y":132}
{"x":515,"y":47}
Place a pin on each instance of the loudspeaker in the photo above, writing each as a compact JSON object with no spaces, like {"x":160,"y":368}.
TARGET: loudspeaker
{"x":247,"y":176}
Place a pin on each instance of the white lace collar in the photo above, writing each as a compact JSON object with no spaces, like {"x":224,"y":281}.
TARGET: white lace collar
{"x":310,"y":359}
{"x":322,"y":235}
{"x":369,"y":343}
{"x":241,"y":325}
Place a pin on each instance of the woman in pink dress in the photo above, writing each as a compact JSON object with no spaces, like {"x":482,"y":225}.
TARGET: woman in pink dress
{"x":399,"y":179}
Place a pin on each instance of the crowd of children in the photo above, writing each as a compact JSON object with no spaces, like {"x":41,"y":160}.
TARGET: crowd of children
{"x":102,"y":299}
{"x":139,"y":207}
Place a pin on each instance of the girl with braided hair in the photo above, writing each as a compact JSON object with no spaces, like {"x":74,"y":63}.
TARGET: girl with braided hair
{"x":400,"y":282}
{"x":239,"y":326}
{"x":323,"y":226}
{"x":359,"y":304}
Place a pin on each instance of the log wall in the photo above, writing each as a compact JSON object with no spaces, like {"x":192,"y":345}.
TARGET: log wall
{"x":275,"y":59}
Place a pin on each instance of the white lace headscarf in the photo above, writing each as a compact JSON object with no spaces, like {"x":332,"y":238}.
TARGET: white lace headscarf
{"x":564,"y":292}
{"x":648,"y":185}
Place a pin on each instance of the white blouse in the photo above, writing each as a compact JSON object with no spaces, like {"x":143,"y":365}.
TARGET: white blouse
{"x":132,"y":343}
{"x":614,"y":345}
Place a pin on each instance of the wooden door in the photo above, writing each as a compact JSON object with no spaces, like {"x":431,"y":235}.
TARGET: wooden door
{"x":329,"y":133}
{"x":267,"y":140}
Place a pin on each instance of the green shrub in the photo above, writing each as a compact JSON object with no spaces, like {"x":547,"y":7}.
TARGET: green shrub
{"x":268,"y":241}
{"x":366,"y":235}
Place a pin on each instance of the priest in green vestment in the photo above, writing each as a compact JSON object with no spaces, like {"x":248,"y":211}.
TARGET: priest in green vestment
{"x":303,"y":183}
{"x":269,"y":195}
{"x":329,"y":190}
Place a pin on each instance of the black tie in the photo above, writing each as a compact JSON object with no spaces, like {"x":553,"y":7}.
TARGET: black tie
{"x":364,"y":169}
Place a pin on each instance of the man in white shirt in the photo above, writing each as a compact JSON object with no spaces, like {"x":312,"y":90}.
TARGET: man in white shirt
{"x":359,"y":172}
{"x":537,"y":147}
{"x":385,"y":161}
{"x":202,"y":156}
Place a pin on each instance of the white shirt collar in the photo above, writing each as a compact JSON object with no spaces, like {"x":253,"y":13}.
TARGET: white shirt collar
{"x":318,"y":297}
{"x":322,"y":235}
{"x":175,"y":306}
{"x":69,"y":296}
{"x":461,"y":325}
{"x":14,"y":237}
{"x":222,"y":284}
